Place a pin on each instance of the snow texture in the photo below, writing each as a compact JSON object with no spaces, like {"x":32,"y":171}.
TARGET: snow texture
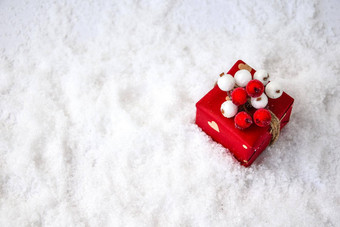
{"x":97,"y":113}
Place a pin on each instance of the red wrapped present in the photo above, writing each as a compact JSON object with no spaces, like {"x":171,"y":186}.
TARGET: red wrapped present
{"x":246,"y":145}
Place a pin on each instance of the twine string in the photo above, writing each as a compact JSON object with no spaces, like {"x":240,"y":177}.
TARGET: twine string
{"x":274,"y":128}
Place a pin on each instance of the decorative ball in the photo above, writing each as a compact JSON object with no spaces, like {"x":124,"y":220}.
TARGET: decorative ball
{"x":228,"y":109}
{"x":242,"y":77}
{"x":274,"y":90}
{"x":226,"y":82}
{"x":242,"y":120}
{"x":255,"y":88}
{"x":239,"y":96}
{"x":259,"y":102}
{"x":262,"y":117}
{"x":262,"y":76}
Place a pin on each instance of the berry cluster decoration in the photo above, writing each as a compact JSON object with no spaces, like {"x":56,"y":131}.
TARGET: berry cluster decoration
{"x":244,"y":89}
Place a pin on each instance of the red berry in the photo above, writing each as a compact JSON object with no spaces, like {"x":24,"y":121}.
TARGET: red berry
{"x":255,"y":88}
{"x":242,"y":120}
{"x":262,"y":117}
{"x":239,"y":96}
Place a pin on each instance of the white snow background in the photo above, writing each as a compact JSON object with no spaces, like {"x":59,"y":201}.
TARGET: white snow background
{"x":97,"y":109}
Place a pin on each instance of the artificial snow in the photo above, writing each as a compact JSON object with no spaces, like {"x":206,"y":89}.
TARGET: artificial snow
{"x":97,"y":113}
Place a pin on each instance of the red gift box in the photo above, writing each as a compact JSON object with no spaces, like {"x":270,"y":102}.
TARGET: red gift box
{"x":246,"y":145}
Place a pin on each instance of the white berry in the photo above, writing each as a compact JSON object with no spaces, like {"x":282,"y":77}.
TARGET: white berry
{"x":259,"y":102}
{"x":274,"y":90}
{"x":242,"y":77}
{"x":228,"y":109}
{"x":262,"y":76}
{"x":226,"y":82}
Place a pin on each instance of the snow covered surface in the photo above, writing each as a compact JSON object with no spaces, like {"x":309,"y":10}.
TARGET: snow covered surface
{"x":97,"y":113}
